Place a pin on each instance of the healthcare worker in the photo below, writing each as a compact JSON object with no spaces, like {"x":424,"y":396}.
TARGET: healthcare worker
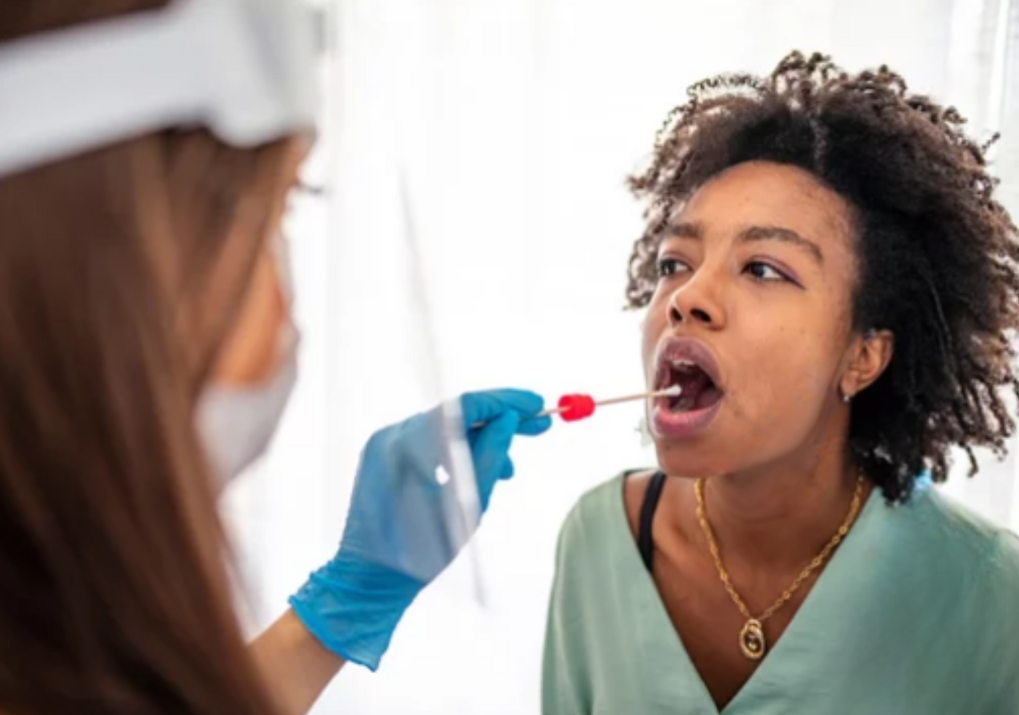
{"x":147,"y":353}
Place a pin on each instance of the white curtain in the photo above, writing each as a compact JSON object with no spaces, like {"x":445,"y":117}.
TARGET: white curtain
{"x":514,"y":123}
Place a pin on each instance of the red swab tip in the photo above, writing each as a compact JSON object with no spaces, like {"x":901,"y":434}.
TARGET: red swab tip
{"x":576,"y":407}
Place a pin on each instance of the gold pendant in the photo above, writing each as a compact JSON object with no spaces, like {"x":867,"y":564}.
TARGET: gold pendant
{"x":751,"y":640}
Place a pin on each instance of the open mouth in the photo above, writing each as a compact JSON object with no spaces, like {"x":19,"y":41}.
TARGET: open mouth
{"x":698,"y":388}
{"x":689,"y":365}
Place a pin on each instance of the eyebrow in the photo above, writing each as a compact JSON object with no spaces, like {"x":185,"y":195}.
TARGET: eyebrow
{"x":695,"y":231}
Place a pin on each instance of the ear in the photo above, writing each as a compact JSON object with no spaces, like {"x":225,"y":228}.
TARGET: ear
{"x":868,"y":357}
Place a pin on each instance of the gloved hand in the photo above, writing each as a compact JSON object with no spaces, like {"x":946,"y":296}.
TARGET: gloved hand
{"x":404,"y":525}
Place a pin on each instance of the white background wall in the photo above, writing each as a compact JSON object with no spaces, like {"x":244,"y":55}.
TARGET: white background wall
{"x":515,"y":123}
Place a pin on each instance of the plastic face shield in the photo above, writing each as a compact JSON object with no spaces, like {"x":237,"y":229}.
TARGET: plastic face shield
{"x":456,"y":512}
{"x":247,"y":70}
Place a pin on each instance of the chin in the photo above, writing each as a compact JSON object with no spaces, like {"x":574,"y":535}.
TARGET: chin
{"x":689,"y":459}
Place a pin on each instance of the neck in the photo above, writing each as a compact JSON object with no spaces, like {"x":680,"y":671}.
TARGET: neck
{"x":780,"y":515}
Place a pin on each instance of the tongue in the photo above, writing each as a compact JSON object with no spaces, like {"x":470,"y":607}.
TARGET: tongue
{"x":694,"y":383}
{"x":707,"y":397}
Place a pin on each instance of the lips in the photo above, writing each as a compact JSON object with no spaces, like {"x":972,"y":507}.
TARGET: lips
{"x":690,"y":365}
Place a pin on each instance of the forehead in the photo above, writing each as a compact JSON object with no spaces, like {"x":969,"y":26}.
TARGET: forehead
{"x":767,"y":194}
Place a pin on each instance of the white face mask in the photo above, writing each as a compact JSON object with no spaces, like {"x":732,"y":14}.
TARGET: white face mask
{"x":236,"y":424}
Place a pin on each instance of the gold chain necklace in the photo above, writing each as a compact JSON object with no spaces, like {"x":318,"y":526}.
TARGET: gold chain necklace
{"x":751,"y":637}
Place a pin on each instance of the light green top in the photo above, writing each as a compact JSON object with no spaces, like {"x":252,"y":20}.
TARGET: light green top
{"x":917,"y":612}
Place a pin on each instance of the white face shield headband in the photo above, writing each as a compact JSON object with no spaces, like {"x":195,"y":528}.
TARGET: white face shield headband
{"x":244,"y":69}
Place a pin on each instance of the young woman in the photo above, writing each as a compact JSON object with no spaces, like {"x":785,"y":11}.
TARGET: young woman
{"x":830,"y":280}
{"x":146,"y":354}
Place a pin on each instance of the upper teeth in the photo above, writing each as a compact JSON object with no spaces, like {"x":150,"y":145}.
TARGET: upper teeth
{"x":682,"y":362}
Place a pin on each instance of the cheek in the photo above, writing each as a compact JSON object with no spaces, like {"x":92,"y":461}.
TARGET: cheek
{"x":789,"y":375}
{"x":251,"y":351}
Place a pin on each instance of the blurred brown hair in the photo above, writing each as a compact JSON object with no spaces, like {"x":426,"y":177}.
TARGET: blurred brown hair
{"x":120,"y":273}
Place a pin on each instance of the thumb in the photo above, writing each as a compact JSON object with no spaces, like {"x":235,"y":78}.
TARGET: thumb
{"x":490,"y":451}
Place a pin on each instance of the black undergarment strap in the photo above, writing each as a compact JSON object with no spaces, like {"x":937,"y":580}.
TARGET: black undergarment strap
{"x":647,"y":515}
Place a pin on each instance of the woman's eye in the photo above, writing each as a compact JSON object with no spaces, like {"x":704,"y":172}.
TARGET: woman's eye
{"x":764,"y":273}
{"x":670,"y":266}
{"x":303,"y":188}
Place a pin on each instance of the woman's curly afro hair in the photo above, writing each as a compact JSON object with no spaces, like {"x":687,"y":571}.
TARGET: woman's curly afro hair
{"x":937,"y":254}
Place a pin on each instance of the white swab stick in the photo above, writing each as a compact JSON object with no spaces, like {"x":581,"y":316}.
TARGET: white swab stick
{"x":673,"y":391}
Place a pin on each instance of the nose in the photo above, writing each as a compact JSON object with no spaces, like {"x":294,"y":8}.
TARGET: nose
{"x":697,"y":302}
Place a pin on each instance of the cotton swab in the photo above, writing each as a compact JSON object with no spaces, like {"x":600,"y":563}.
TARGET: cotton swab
{"x":572,"y":408}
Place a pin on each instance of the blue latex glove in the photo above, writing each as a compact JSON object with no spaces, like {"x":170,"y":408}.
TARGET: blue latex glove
{"x":398,"y":536}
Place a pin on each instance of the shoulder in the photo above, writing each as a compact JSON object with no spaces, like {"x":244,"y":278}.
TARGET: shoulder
{"x":976,"y":566}
{"x":954,"y":529}
{"x":1003,"y":566}
{"x":619,"y":497}
{"x":594,"y":508}
{"x":969,"y":559}
{"x":597,"y":528}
